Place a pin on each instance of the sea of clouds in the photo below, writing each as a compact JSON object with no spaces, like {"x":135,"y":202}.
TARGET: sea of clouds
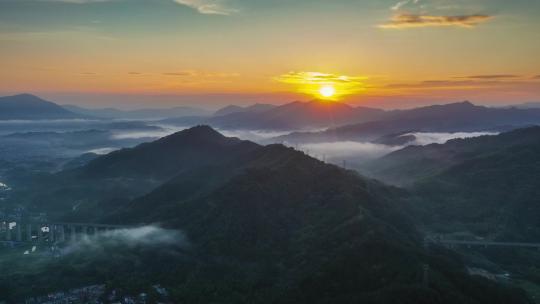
{"x":365,"y":151}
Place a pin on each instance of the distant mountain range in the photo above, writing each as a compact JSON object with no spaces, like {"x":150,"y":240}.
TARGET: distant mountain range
{"x":295,"y":116}
{"x":290,"y":116}
{"x":139,"y":113}
{"x":270,"y":222}
{"x":489,"y":184}
{"x":30,"y":107}
{"x":259,"y":107}
{"x":455,"y":117}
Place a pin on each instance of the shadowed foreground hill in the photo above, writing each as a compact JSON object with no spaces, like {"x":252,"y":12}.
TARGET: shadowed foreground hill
{"x":489,"y":184}
{"x":128,"y":173}
{"x":265,"y":224}
{"x":276,"y":226}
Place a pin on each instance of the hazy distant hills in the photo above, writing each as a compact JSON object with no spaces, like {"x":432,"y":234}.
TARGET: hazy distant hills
{"x":259,"y":107}
{"x":455,"y":117}
{"x":291,"y":116}
{"x":488,"y":183}
{"x":139,"y":113}
{"x":296,"y":115}
{"x":30,"y":107}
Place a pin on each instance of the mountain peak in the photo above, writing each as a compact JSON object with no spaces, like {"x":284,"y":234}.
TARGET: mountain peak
{"x":201,"y":130}
{"x":28,"y":106}
{"x":190,"y":148}
{"x":466,"y":103}
{"x":24,"y":97}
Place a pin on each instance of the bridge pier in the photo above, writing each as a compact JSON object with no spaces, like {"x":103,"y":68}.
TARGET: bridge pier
{"x":18,"y":232}
{"x":73,"y":235}
{"x":52,"y":233}
{"x":39,"y":238}
{"x":23,"y":231}
{"x":29,"y":232}
{"x":61,"y":233}
{"x":8,"y":232}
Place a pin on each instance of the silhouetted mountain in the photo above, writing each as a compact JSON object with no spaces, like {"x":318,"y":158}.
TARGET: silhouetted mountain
{"x":139,"y":113}
{"x":237,"y":109}
{"x":228,"y":110}
{"x":285,"y":225}
{"x":266,"y":224}
{"x":171,"y":155}
{"x":131,"y":172}
{"x":296,"y":115}
{"x":488,"y":184}
{"x":454,"y":117}
{"x":26,"y":106}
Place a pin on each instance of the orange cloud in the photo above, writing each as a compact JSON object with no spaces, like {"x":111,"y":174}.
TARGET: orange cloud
{"x":403,"y":21}
{"x":494,"y":76}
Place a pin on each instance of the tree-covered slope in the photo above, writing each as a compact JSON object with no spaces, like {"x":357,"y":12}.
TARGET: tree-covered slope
{"x":281,"y":227}
{"x":413,"y":163}
{"x":488,"y":185}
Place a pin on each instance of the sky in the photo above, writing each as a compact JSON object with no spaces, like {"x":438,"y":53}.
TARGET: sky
{"x":209,"y":53}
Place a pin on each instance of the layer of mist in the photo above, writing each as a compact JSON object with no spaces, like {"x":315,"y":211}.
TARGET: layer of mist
{"x":365,"y":151}
{"x":149,"y":235}
{"x":426,"y":138}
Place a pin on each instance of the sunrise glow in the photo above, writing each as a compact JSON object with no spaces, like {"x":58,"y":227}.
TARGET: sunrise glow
{"x":378,"y":53}
{"x":327,"y":91}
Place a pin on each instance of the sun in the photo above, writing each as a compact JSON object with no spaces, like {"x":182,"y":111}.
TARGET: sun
{"x":327,"y":91}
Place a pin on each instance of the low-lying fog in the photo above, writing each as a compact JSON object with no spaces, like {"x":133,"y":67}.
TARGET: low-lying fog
{"x":149,"y":235}
{"x":70,"y":138}
{"x":359,"y":152}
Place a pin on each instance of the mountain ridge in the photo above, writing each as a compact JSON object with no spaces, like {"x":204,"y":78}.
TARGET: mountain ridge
{"x":31,"y":107}
{"x":453,"y":117}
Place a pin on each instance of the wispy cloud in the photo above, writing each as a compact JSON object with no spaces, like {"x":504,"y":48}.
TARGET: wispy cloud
{"x":466,"y":84}
{"x":177,"y":74}
{"x":318,"y":78}
{"x":201,"y":74}
{"x":492,"y":76}
{"x":404,"y":21}
{"x":209,"y":7}
{"x":76,"y":1}
{"x":401,"y":4}
{"x":536,"y":77}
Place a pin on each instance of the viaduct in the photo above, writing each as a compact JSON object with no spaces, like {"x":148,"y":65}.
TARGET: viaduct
{"x":54,"y":232}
